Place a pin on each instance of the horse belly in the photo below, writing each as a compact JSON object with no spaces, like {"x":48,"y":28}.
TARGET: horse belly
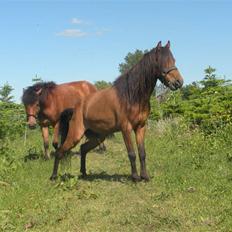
{"x":101,"y":122}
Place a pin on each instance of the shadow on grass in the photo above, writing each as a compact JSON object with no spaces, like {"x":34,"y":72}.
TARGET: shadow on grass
{"x":106,"y":177}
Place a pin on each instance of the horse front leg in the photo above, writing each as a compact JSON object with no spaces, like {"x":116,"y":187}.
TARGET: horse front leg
{"x":45,"y":135}
{"x":56,"y":136}
{"x":131,"y":154}
{"x":139,"y":134}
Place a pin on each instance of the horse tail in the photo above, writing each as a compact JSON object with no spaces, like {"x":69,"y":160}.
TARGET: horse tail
{"x":65,"y":117}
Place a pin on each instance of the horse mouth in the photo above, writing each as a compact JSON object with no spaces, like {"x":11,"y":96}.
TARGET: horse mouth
{"x":174,"y":85}
{"x":32,"y":127}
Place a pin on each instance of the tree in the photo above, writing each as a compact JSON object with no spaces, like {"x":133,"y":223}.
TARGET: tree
{"x":102,"y":84}
{"x":131,"y":59}
{"x":190,"y":91}
{"x":210,"y":79}
{"x":5,"y":93}
{"x":37,"y":79}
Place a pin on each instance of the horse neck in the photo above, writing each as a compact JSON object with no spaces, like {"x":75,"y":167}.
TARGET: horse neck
{"x":145,"y":78}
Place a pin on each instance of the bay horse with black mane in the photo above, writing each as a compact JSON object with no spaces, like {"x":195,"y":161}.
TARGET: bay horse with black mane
{"x":123,"y":107}
{"x":45,"y":101}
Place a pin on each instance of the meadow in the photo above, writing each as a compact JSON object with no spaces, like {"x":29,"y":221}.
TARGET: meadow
{"x":190,"y":186}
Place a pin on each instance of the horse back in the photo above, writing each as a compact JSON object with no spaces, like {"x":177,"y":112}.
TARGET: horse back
{"x":65,"y":96}
{"x":103,"y":111}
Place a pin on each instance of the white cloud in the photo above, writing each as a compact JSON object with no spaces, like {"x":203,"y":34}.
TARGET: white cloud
{"x":77,"y":21}
{"x":100,"y":32}
{"x":72,"y":33}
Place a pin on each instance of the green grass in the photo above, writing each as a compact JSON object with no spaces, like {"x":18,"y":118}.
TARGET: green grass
{"x":190,"y":187}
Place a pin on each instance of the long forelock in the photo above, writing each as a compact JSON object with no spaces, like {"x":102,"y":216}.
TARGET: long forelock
{"x":29,"y":95}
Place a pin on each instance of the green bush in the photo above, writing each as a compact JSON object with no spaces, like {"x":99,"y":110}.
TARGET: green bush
{"x":205,"y":104}
{"x":12,"y":125}
{"x":12,"y":120}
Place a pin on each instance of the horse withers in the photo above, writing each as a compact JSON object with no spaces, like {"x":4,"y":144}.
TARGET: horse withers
{"x":45,"y":101}
{"x":123,"y":107}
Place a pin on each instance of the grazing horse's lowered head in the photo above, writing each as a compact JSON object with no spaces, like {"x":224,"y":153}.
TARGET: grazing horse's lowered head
{"x":168,"y":73}
{"x":30,"y":99}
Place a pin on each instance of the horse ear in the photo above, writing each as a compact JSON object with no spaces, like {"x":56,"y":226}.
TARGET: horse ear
{"x":38,"y":91}
{"x":168,"y":44}
{"x":159,"y":45}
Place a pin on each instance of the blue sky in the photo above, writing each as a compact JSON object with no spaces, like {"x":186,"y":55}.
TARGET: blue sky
{"x":64,"y":41}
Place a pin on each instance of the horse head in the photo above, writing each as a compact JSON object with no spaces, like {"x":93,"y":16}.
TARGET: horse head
{"x":30,"y":100}
{"x":168,"y":73}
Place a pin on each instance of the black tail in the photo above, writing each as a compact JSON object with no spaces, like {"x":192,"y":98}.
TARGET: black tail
{"x":65,"y":117}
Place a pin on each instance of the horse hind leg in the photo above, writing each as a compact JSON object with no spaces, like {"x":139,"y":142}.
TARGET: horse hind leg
{"x":85,"y":148}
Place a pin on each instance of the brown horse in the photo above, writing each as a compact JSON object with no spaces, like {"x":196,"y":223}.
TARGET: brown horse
{"x":47,"y":100}
{"x":123,"y":107}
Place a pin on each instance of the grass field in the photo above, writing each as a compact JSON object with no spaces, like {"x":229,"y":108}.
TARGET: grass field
{"x":190,"y":187}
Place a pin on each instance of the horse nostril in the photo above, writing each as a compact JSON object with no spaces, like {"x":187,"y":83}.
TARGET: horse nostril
{"x":178,"y":83}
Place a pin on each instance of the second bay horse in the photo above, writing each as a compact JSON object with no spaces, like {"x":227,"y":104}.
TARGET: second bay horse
{"x":123,"y":107}
{"x":46,"y":100}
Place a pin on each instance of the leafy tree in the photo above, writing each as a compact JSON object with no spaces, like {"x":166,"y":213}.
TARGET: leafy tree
{"x":191,"y":90}
{"x":131,"y":59}
{"x":37,"y":79}
{"x":102,"y":84}
{"x":5,"y":93}
{"x":210,"y":79}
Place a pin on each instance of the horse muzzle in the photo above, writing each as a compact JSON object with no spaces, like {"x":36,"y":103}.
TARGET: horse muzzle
{"x":31,"y":126}
{"x":174,"y":85}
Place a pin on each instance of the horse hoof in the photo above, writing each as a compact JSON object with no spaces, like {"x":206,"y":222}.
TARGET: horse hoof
{"x":145,"y":178}
{"x":136,"y":178}
{"x":53,"y":178}
{"x":83,"y":175}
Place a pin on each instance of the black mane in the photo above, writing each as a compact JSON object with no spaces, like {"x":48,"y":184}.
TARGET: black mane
{"x":137,"y":84}
{"x":29,"y":94}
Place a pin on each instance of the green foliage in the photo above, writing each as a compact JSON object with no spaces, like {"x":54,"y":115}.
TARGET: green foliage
{"x":131,"y":59}
{"x":155,"y":113}
{"x":12,"y":125}
{"x":206,"y":104}
{"x":102,"y":84}
{"x":12,"y":120}
{"x":5,"y":93}
{"x":190,"y":186}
